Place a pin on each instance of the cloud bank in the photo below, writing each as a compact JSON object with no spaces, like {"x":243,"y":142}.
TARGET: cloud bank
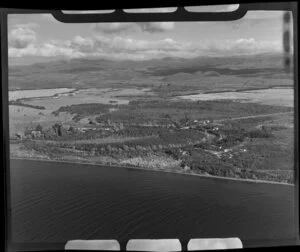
{"x":21,"y":37}
{"x":120,"y":48}
{"x":110,"y":43}
{"x":151,"y":27}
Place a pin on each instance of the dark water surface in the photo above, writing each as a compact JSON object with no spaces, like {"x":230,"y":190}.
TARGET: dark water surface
{"x":55,"y":202}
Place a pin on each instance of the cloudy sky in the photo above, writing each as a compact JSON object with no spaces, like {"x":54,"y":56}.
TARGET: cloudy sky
{"x":33,"y":36}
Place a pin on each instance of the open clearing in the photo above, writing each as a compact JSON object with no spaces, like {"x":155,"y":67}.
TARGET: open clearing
{"x":22,"y":117}
{"x":104,"y":140}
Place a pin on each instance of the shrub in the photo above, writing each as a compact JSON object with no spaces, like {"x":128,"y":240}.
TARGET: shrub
{"x":259,"y":133}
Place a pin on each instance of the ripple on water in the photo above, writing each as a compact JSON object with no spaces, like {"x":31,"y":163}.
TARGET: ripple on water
{"x":56,"y":202}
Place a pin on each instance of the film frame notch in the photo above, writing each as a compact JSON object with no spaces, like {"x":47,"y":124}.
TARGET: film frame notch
{"x":287,"y":50}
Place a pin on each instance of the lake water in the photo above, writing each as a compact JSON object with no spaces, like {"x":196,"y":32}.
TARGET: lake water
{"x":55,"y":202}
{"x":92,"y":95}
{"x":271,"y":96}
{"x":20,"y":94}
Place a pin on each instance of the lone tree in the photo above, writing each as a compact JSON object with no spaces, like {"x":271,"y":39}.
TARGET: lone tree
{"x":57,"y":128}
{"x":39,"y":128}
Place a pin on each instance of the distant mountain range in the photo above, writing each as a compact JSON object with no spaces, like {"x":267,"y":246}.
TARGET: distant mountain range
{"x":61,"y":72}
{"x":253,"y":61}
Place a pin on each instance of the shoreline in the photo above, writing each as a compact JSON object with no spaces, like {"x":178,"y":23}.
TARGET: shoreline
{"x":247,"y":89}
{"x":40,"y":97}
{"x":153,"y":170}
{"x":189,"y":93}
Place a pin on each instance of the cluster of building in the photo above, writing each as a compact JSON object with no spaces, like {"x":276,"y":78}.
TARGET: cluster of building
{"x":205,"y":124}
{"x":41,"y":133}
{"x":60,"y":129}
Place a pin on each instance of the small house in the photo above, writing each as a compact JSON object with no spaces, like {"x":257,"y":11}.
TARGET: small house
{"x":36,"y":134}
{"x":20,"y":135}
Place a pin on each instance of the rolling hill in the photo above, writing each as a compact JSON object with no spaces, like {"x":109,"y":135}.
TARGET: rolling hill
{"x":92,"y":72}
